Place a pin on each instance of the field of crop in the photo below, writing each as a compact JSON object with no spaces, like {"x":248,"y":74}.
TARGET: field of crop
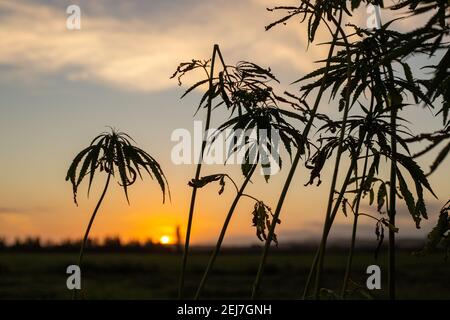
{"x":151,"y":276}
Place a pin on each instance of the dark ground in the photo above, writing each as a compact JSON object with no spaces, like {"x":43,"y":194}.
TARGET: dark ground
{"x":155,"y":275}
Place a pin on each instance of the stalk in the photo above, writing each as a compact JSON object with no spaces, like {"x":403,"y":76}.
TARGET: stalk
{"x":354,"y":228}
{"x":356,"y":211}
{"x":392,"y":191}
{"x":91,"y":221}
{"x":272,"y":226}
{"x":310,"y":275}
{"x":333,"y":215}
{"x":348,"y":267}
{"x":197,"y":176}
{"x":222,"y":232}
{"x":294,"y":166}
{"x":328,"y":222}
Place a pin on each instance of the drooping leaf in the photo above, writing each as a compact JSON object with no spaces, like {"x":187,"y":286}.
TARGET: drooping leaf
{"x":113,"y":151}
{"x":203,"y":181}
{"x":415,"y":171}
{"x":262,"y":215}
{"x":379,"y":232}
{"x":408,"y":198}
{"x":440,"y":158}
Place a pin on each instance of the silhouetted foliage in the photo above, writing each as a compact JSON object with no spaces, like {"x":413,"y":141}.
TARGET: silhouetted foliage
{"x":113,"y":152}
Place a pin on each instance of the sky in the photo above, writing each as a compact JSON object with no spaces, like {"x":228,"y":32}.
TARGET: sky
{"x":59,"y":88}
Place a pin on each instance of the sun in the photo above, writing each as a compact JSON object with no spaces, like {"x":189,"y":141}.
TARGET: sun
{"x":164,"y":239}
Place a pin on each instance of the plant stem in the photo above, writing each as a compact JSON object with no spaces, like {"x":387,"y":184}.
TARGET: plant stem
{"x":348,"y":267}
{"x":354,"y":228}
{"x":392,"y":191}
{"x":223,"y":231}
{"x":300,"y":151}
{"x":197,"y":176}
{"x":327,"y":223}
{"x":328,"y":219}
{"x":91,"y":221}
{"x":310,"y":275}
{"x":272,"y":227}
{"x":332,"y":216}
{"x":358,"y":201}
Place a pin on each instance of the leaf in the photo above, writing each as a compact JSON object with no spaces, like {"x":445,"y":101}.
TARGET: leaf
{"x":438,"y":234}
{"x":415,"y":171}
{"x":381,"y":195}
{"x":409,"y":78}
{"x":355,"y":4}
{"x":222,"y":185}
{"x":247,"y":164}
{"x":344,"y":206}
{"x":203,"y":181}
{"x":194,"y":86}
{"x":72,"y":171}
{"x":441,"y":156}
{"x":389,"y":225}
{"x":94,"y":164}
{"x":154,"y":166}
{"x":379,"y":232}
{"x":261,"y":220}
{"x":408,"y":198}
{"x":109,"y":151}
{"x":120,"y":163}
{"x":84,"y":168}
{"x":421,"y":210}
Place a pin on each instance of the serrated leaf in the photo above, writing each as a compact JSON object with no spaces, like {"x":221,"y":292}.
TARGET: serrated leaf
{"x":408,"y":198}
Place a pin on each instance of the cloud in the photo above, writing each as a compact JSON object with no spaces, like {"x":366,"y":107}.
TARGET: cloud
{"x":136,"y":45}
{"x":22,"y":210}
{"x":140,"y":51}
{"x":7,"y":210}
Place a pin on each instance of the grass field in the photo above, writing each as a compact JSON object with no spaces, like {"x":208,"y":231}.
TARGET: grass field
{"x":149,"y":276}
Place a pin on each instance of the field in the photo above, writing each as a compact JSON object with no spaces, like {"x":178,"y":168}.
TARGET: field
{"x":150,"y":276}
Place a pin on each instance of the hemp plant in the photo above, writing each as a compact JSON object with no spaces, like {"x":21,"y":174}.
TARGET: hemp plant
{"x":207,"y":66}
{"x":372,"y":68}
{"x":321,"y":11}
{"x":260,"y":113}
{"x":367,"y":73}
{"x":114,"y":155}
{"x":366,"y":66}
{"x":217,"y":84}
{"x":245,"y":90}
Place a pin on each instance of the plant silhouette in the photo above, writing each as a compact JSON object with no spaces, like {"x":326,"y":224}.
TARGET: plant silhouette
{"x":369,"y":64}
{"x":113,"y":154}
{"x":245,"y":91}
{"x":366,"y":142}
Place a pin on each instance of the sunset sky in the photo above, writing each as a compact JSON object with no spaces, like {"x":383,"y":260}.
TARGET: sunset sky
{"x":60,"y":88}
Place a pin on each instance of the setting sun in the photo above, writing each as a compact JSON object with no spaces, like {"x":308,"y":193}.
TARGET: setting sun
{"x":164,"y":239}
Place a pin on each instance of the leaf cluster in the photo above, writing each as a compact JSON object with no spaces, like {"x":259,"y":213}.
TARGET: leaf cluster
{"x":113,"y":153}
